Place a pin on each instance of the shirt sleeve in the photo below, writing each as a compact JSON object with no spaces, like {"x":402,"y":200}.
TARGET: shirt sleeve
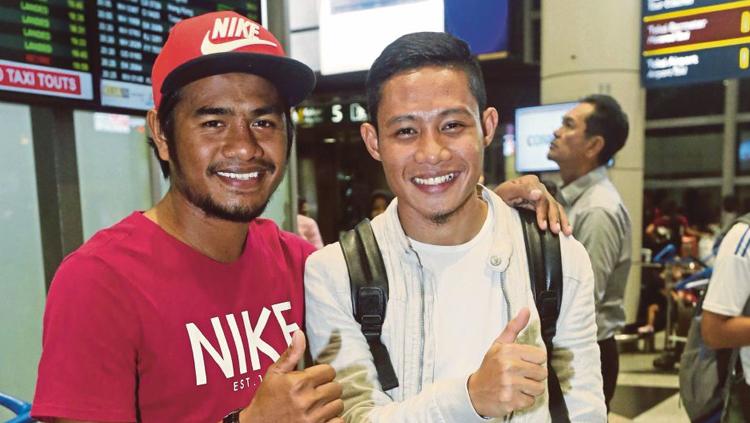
{"x":729,"y":287}
{"x":576,"y":357}
{"x":597,"y":230}
{"x":89,"y":356}
{"x":335,"y":338}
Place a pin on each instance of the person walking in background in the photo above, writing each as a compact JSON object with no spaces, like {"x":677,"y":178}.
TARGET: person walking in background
{"x":723,"y":324}
{"x":307,"y":227}
{"x":379,"y":200}
{"x":590,"y":135}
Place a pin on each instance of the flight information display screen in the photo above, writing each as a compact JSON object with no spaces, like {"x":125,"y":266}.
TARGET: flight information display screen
{"x":45,"y":48}
{"x":97,"y":51}
{"x":692,"y":41}
{"x":130,"y":36}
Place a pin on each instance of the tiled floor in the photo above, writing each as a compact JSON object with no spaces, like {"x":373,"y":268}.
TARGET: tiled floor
{"x":645,"y":394}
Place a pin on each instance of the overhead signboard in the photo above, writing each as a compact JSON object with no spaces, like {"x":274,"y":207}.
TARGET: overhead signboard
{"x":131,"y":34}
{"x":690,"y":41}
{"x":99,"y":52}
{"x":354,"y":32}
{"x":484,"y":25}
{"x":45,"y":49}
{"x":346,"y":113}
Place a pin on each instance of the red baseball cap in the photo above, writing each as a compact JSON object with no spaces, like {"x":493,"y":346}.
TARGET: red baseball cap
{"x":224,"y":42}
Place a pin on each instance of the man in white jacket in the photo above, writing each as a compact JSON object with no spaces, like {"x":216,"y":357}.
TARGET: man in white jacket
{"x":461,"y":327}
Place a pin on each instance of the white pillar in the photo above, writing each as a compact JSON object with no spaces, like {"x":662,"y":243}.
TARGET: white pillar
{"x":593,"y":47}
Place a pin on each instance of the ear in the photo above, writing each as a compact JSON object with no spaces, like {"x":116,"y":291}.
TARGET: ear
{"x":594,"y":147}
{"x":490,"y":117}
{"x":370,"y":136}
{"x":158,"y":135}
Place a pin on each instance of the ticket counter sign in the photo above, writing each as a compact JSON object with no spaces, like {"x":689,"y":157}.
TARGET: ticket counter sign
{"x":691,"y":41}
{"x":22,"y":77}
{"x":45,"y":48}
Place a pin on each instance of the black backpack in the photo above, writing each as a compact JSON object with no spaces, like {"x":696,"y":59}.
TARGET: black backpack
{"x":369,"y":291}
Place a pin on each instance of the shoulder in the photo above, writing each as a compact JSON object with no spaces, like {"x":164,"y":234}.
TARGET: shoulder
{"x":603,"y":195}
{"x":575,"y":260}
{"x":89,"y":284}
{"x":130,"y":230}
{"x":595,"y":218}
{"x":92,"y":261}
{"x":498,"y":204}
{"x":327,"y":266}
{"x":728,"y":289}
{"x":277,"y":241}
{"x":736,"y":242}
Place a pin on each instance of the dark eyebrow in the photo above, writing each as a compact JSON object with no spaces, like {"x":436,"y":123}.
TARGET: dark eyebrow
{"x":401,"y":118}
{"x":443,"y":113}
{"x":208,"y":110}
{"x":457,"y":110}
{"x":225,"y":111}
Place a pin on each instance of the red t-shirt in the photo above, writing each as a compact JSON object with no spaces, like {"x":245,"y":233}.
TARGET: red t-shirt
{"x":139,"y":325}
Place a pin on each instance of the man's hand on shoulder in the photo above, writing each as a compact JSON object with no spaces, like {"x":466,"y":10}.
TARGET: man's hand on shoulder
{"x":289,"y":395}
{"x":511,"y":375}
{"x":530,"y":193}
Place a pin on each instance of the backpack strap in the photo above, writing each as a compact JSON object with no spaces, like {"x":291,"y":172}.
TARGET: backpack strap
{"x":369,"y":290}
{"x":545,"y":274}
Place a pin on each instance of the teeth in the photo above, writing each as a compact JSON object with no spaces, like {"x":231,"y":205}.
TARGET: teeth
{"x":239,"y":176}
{"x":435,"y":180}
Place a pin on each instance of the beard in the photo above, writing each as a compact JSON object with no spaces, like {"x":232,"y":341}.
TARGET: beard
{"x":212,"y":208}
{"x":442,"y":217}
{"x":232,"y":213}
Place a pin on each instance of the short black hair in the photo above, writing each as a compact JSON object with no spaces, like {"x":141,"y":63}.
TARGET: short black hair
{"x":420,"y":49}
{"x":166,"y":117}
{"x":609,"y":121}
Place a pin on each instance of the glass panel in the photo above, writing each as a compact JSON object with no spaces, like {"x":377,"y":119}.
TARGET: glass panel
{"x":278,"y":208}
{"x":682,"y":101}
{"x":22,"y":291}
{"x":113,"y":168}
{"x":683,"y":152}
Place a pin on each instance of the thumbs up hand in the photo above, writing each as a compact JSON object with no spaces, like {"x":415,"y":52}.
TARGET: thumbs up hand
{"x":290,"y":359}
{"x":290,"y":395}
{"x":511,"y":375}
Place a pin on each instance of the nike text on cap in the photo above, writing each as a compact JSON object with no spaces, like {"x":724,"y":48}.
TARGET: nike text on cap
{"x":225,"y":42}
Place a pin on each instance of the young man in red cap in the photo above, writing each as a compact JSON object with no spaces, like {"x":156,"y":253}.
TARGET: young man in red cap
{"x":179,"y":313}
{"x":190,"y":311}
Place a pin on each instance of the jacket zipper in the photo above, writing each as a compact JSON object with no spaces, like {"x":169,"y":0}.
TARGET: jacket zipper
{"x":420,"y":286}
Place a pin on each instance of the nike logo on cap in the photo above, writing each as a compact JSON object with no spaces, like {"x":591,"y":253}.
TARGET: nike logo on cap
{"x":232,"y":27}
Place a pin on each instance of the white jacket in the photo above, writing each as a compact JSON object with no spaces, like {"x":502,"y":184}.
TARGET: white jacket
{"x":334,"y":336}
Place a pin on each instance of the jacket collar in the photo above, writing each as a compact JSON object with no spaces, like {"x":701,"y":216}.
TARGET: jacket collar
{"x":501,"y":251}
{"x":570,"y":193}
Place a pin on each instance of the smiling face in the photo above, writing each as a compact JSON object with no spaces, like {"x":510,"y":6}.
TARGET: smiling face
{"x":431,"y":141}
{"x":230,"y":145}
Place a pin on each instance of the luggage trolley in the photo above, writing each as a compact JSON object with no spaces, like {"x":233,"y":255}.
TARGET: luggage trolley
{"x":21,"y":409}
{"x":681,"y":299}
